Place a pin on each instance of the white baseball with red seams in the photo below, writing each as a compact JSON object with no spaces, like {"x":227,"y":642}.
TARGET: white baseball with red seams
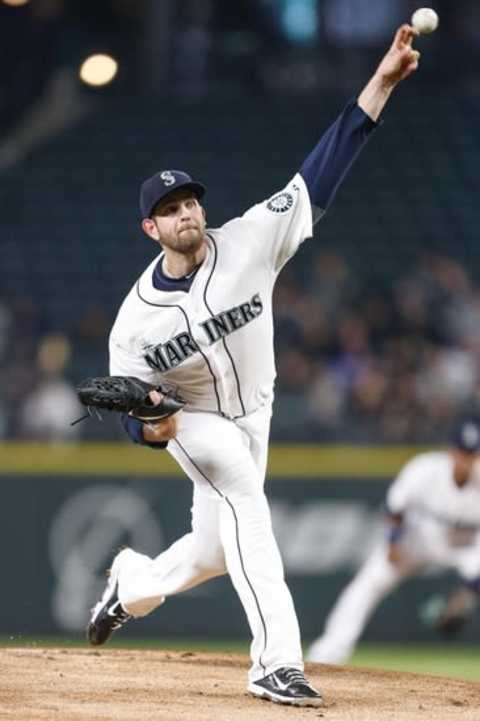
{"x":215,"y":345}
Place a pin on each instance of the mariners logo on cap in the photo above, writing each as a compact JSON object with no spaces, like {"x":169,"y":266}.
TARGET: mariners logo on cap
{"x":167,"y":177}
{"x":280,"y":203}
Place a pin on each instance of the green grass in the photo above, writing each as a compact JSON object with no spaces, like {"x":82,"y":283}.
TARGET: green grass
{"x":455,"y":661}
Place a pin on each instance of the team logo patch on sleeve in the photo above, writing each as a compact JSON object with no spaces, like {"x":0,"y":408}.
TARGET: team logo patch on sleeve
{"x":280,"y":203}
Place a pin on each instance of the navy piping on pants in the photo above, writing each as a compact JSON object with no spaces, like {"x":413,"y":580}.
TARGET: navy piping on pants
{"x":225,"y":498}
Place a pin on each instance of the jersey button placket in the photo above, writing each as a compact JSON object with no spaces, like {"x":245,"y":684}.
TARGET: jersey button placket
{"x":225,"y":380}
{"x":211,"y":353}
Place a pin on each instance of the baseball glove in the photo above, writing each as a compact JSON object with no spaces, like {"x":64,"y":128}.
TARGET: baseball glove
{"x":458,"y":609}
{"x":449,"y":615}
{"x":128,"y":394}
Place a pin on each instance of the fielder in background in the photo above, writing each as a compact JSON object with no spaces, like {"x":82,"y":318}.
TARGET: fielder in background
{"x":433,"y":521}
{"x":200,"y":320}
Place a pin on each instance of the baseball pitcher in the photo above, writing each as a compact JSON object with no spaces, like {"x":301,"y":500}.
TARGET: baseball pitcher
{"x":198,"y":322}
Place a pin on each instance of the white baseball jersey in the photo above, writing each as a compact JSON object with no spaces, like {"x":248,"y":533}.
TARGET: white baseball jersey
{"x":442,"y":521}
{"x":215,"y":343}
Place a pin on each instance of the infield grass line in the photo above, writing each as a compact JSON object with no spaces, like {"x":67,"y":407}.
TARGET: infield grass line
{"x":449,"y":660}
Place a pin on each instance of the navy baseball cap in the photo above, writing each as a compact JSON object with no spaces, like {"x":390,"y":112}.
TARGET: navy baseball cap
{"x":162,"y":184}
{"x":466,"y":436}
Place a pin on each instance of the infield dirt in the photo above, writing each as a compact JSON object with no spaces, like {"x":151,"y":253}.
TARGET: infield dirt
{"x":40,"y":684}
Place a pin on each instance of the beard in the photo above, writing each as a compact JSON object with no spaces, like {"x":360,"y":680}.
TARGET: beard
{"x":186,"y":241}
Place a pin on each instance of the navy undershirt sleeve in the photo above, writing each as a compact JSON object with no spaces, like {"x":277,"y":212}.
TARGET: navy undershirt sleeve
{"x":328,"y":163}
{"x":134,"y":429}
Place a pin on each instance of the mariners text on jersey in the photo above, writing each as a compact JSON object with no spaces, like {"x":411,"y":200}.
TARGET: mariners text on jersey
{"x":168,"y":355}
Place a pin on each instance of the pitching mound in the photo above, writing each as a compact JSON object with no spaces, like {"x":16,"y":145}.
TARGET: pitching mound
{"x":123,"y":685}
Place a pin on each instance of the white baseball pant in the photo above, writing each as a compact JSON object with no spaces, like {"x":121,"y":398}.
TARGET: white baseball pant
{"x":350,"y":614}
{"x":231,"y":532}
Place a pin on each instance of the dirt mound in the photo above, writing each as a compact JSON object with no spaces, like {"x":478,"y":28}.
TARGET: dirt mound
{"x":123,"y":685}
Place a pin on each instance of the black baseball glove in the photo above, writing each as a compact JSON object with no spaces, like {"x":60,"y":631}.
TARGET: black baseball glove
{"x":128,"y":394}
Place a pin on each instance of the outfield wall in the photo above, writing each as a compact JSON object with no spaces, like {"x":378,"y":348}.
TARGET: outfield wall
{"x":67,"y":508}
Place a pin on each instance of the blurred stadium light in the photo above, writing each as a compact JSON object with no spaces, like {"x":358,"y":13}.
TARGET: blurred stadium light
{"x":98,"y":70}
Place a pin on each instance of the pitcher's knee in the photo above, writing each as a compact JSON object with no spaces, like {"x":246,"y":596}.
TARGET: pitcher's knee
{"x":210,"y":563}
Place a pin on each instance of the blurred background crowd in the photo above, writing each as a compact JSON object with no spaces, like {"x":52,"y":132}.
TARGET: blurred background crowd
{"x":377,"y":318}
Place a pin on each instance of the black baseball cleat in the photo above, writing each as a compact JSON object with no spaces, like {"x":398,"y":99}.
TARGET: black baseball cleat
{"x":108,"y":615}
{"x":288,"y":686}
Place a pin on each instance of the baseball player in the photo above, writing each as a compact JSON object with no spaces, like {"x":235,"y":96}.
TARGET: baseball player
{"x":200,"y":320}
{"x":433,"y":520}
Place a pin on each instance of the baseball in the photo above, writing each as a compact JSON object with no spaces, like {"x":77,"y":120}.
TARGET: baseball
{"x":425,"y":20}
